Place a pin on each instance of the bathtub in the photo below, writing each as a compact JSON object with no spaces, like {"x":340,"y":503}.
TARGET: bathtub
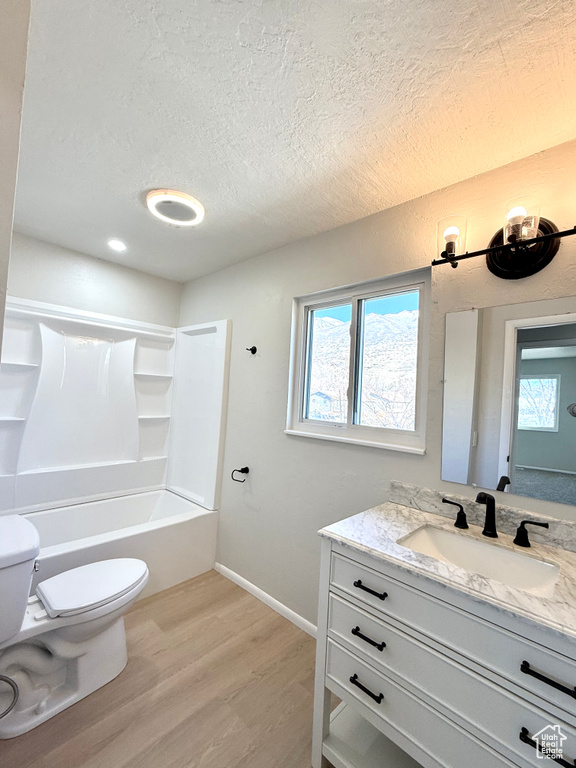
{"x":175,"y":537}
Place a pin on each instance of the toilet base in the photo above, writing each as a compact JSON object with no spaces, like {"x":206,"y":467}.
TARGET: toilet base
{"x":52,"y":675}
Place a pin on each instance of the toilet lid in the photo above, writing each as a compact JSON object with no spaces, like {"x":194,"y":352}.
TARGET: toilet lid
{"x":90,"y":586}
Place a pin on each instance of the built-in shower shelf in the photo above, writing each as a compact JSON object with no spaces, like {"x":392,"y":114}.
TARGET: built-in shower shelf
{"x":11,"y":419}
{"x":8,"y":365}
{"x":154,"y":458}
{"x":150,"y":418}
{"x":73,"y":467}
{"x":153,"y":376}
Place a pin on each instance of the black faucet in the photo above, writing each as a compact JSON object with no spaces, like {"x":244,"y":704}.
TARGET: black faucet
{"x":461,"y":516}
{"x":503,"y":482}
{"x":490,"y":520}
{"x":522,"y":539}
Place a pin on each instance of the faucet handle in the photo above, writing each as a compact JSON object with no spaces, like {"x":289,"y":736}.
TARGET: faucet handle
{"x":522,"y":539}
{"x":461,"y":521}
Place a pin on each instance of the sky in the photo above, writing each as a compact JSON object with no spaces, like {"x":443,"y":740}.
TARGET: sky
{"x":388,"y":305}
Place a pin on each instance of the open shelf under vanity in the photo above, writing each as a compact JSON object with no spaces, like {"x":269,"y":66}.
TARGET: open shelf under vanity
{"x":353,"y":742}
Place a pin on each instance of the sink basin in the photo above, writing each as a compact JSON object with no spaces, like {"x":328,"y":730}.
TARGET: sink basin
{"x":496,"y":562}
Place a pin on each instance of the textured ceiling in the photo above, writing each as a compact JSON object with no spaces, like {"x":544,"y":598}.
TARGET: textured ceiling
{"x":284,"y":118}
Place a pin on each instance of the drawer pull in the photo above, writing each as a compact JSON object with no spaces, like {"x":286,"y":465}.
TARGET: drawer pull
{"x":380,"y":646}
{"x":382,"y":595}
{"x":525,"y":737}
{"x":525,"y":667}
{"x":354,"y":680}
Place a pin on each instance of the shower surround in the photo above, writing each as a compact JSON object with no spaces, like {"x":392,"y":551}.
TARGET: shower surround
{"x":94,"y":407}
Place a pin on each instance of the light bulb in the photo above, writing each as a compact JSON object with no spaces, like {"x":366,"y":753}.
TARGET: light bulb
{"x":520,"y":226}
{"x":516,"y":215}
{"x":515,"y":218}
{"x":117,"y":245}
{"x":451,"y":235}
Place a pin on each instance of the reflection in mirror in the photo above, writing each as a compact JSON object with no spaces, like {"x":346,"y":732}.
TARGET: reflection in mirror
{"x":510,"y":399}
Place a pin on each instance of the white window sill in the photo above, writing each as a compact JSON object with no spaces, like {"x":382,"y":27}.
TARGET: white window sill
{"x":403,"y":448}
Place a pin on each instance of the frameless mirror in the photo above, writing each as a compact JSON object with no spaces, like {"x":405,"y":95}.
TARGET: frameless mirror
{"x":509,"y":418}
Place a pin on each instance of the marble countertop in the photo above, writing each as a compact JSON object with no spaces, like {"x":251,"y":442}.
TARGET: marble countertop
{"x":376,"y":532}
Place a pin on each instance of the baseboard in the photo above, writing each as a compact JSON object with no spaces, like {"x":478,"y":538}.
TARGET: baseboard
{"x":270,"y":601}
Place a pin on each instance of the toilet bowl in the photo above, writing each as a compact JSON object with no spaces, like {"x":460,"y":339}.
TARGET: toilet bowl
{"x":65,"y":641}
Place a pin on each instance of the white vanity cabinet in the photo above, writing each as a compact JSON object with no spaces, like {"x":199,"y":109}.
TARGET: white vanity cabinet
{"x":432,"y":677}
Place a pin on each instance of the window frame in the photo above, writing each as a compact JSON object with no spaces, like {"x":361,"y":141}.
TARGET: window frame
{"x":551,"y":376}
{"x":378,"y":437}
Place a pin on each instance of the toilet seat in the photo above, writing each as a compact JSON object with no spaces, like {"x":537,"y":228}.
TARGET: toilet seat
{"x":90,"y":586}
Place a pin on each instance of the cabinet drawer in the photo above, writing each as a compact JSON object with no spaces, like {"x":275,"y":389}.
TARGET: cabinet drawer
{"x":496,"y":649}
{"x":352,"y":626}
{"x":399,"y":710}
{"x":474,"y":702}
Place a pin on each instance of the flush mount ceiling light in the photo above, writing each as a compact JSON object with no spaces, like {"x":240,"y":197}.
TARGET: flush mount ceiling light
{"x":117,"y":245}
{"x":525,"y":245}
{"x":176,"y":208}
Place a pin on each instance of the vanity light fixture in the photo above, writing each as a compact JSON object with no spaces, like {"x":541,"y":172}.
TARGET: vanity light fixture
{"x":117,"y":245}
{"x":526,"y":243}
{"x":176,"y":208}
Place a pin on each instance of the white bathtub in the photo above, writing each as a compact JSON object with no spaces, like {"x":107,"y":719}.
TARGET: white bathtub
{"x":175,"y":537}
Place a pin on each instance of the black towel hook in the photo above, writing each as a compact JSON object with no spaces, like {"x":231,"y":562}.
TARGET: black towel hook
{"x":243,"y":470}
{"x":253,"y":350}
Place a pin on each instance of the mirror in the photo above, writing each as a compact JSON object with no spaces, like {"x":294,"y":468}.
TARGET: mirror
{"x":509,"y":419}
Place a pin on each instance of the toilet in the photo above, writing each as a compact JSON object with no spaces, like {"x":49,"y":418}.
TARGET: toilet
{"x":65,"y":641}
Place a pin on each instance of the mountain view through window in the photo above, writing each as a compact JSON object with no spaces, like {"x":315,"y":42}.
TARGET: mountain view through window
{"x":386,"y":362}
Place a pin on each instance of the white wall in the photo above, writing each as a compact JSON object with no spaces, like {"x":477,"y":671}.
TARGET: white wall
{"x":14,"y":20}
{"x":46,"y":272}
{"x":296,"y":485}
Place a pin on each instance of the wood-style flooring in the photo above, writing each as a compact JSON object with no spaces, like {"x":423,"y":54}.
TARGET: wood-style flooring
{"x":215,"y":679}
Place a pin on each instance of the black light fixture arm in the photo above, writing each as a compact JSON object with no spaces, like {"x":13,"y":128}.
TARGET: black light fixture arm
{"x":507,"y":247}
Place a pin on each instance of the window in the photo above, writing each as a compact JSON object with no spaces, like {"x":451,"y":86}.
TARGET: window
{"x":358,"y":364}
{"x":538,"y":402}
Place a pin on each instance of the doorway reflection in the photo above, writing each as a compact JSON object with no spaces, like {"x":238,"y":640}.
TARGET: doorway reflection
{"x":543,"y":445}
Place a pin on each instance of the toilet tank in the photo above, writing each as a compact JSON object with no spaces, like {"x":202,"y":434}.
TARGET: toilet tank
{"x":19,"y":548}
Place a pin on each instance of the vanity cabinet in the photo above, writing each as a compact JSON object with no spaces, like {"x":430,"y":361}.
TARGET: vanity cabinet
{"x":432,"y":677}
